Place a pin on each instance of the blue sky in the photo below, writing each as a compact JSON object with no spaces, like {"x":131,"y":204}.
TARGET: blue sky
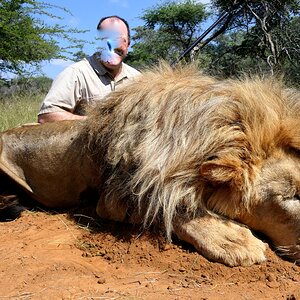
{"x":86,"y":15}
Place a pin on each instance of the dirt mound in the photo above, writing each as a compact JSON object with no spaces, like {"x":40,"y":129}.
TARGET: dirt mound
{"x":50,"y":256}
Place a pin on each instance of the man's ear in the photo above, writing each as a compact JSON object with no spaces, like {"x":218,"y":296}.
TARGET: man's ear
{"x":222,"y":170}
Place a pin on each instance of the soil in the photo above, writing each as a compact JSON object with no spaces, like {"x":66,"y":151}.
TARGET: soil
{"x":53,"y":256}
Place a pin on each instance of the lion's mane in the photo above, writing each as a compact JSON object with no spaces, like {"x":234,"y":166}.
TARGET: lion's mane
{"x":157,"y":133}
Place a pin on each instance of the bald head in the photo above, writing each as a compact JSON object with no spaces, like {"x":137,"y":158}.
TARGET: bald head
{"x":113,"y":42}
{"x":114,"y":21}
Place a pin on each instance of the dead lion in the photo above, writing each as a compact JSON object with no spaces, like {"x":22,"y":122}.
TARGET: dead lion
{"x":201,"y":156}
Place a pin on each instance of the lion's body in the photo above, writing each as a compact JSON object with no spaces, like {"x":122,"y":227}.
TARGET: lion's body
{"x":49,"y":162}
{"x":181,"y":148}
{"x":180,"y":140}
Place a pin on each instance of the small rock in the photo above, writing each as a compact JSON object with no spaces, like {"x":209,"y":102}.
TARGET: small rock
{"x":108,"y":256}
{"x":86,"y":254}
{"x":271,"y":278}
{"x":101,"y":281}
{"x":273,"y":284}
{"x":167,"y":247}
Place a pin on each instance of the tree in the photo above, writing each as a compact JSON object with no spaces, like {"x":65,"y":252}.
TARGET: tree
{"x":169,"y":29}
{"x":80,"y":54}
{"x":26,"y":39}
{"x":21,"y":86}
{"x":267,"y":26}
{"x":290,"y":45}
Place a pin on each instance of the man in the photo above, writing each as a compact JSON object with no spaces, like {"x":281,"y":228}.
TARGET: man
{"x":92,"y":78}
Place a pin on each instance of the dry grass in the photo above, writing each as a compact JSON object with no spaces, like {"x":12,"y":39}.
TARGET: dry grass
{"x":19,"y":110}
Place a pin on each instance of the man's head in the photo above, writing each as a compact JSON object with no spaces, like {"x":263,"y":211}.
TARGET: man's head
{"x":114,"y":41}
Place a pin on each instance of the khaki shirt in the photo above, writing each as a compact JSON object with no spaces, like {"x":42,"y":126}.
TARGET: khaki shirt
{"x":83,"y":83}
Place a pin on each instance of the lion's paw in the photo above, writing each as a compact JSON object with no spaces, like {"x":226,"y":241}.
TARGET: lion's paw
{"x":222,"y":240}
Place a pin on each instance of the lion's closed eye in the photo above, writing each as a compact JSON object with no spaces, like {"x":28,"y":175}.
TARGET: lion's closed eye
{"x":297,"y":197}
{"x":291,"y":196}
{"x":291,"y":148}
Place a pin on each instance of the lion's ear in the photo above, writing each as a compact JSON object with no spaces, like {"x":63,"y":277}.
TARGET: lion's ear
{"x":221,"y":171}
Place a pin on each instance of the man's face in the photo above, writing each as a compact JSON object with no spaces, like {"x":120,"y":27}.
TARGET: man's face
{"x":113,"y":40}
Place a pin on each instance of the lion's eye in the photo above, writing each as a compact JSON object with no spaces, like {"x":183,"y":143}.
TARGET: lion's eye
{"x":297,"y":197}
{"x":213,"y":157}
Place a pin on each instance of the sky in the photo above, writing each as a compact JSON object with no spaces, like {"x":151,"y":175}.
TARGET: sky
{"x":86,"y":15}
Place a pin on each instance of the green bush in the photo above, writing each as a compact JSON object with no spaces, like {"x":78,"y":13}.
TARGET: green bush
{"x":23,"y":87}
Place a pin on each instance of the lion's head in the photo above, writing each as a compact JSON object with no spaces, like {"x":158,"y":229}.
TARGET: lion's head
{"x":186,"y":150}
{"x":180,"y":143}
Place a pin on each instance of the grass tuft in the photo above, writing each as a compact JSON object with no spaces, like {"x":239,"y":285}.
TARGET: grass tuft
{"x":19,"y":110}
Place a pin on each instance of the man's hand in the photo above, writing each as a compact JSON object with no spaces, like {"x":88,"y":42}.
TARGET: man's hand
{"x":58,"y":116}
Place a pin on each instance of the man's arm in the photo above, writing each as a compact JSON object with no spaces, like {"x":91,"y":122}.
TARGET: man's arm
{"x":58,"y":116}
{"x":62,"y":97}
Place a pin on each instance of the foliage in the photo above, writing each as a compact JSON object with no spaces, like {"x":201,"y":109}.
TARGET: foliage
{"x":270,"y":29}
{"x":254,"y":37}
{"x":24,"y":86}
{"x":228,"y":56}
{"x":169,"y":28}
{"x":80,"y":54}
{"x":26,"y":39}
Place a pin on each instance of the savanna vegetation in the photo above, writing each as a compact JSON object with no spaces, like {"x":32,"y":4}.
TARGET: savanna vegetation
{"x":20,"y":100}
{"x":254,"y":37}
{"x":25,"y":42}
{"x":19,"y":110}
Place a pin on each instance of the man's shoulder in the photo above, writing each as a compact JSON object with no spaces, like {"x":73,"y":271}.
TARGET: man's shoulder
{"x":84,"y":63}
{"x":75,"y":68}
{"x":130,"y":71}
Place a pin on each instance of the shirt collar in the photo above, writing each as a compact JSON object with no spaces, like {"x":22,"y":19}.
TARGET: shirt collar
{"x":102,"y":71}
{"x":96,"y":65}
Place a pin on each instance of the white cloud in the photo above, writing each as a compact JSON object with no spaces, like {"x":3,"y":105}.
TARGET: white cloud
{"x":53,"y":67}
{"x":61,"y":62}
{"x":200,"y":1}
{"x":204,"y":1}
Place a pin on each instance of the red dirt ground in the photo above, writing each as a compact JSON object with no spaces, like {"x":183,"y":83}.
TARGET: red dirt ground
{"x":50,"y":256}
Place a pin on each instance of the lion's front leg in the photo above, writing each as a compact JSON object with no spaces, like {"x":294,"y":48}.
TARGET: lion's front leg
{"x":221,"y":240}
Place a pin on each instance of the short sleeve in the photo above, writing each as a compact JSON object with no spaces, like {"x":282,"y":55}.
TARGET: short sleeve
{"x":63,"y":94}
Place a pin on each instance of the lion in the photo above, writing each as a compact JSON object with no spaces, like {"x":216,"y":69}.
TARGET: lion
{"x":207,"y":160}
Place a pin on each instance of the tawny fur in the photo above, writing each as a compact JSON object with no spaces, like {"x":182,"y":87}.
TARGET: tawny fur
{"x":157,"y":134}
{"x":182,"y":149}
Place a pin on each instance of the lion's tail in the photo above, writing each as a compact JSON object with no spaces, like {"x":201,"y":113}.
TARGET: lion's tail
{"x":10,"y":208}
{"x":10,"y":203}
